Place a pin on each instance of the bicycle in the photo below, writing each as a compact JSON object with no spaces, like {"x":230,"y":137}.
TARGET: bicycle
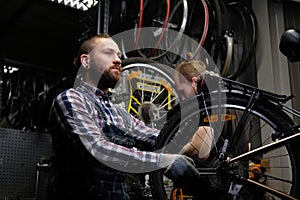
{"x":261,"y":112}
{"x":255,"y":152}
{"x":245,"y":105}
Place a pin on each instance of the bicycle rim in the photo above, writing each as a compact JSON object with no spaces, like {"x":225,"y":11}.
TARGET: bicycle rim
{"x":162,"y":22}
{"x":280,"y":165}
{"x":146,"y":90}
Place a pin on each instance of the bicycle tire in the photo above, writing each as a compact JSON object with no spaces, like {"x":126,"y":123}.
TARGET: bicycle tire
{"x":247,"y":43}
{"x":146,"y":83}
{"x":174,"y":18}
{"x":216,"y":187}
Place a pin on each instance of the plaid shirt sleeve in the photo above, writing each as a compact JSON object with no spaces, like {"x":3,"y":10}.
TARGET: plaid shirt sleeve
{"x":77,"y":116}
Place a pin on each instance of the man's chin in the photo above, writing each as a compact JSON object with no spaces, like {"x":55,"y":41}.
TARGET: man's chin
{"x":111,"y":84}
{"x":115,"y":83}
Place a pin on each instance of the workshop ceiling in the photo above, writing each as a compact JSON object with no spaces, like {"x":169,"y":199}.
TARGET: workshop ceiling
{"x":40,"y":34}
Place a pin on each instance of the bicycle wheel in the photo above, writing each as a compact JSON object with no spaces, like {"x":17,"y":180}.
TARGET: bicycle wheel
{"x":276,"y":169}
{"x":244,"y":38}
{"x":167,"y":26}
{"x":146,"y":90}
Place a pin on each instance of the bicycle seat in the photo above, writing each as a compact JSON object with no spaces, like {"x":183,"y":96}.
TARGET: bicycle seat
{"x":290,"y":44}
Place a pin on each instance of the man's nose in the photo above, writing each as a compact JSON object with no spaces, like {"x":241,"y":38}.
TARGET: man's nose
{"x":117,"y":60}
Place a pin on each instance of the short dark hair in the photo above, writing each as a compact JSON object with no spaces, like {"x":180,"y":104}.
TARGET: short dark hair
{"x":87,"y":46}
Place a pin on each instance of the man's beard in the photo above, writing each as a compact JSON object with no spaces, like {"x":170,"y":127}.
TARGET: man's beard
{"x":108,"y":80}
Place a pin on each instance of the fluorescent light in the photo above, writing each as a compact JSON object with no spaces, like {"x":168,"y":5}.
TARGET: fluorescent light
{"x":77,"y":4}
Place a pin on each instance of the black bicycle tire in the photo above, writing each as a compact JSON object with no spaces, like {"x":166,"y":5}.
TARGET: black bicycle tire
{"x":135,"y":60}
{"x":278,"y":118}
{"x":249,"y":22}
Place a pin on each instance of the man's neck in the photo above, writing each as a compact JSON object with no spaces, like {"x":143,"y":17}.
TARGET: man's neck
{"x":105,"y":90}
{"x":93,"y":83}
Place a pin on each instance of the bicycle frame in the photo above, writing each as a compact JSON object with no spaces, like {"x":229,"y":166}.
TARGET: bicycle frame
{"x":280,"y":139}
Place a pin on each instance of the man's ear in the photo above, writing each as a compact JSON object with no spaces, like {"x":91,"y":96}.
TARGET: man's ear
{"x":84,"y":58}
{"x":194,"y":81}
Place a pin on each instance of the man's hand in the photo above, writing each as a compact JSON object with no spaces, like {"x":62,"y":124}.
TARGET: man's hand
{"x":182,"y":168}
{"x":168,"y":159}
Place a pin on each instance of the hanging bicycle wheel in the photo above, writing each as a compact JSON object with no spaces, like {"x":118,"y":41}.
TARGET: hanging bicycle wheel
{"x":146,"y":90}
{"x":243,"y":36}
{"x":256,"y":177}
{"x":164,"y":30}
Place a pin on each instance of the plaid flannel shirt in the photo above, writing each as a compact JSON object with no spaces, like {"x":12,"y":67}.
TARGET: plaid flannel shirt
{"x":77,"y":115}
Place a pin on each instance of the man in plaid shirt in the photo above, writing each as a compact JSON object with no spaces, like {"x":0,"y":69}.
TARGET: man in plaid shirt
{"x":93,"y":140}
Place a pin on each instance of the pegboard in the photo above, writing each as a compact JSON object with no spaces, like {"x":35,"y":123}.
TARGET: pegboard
{"x":20,"y":152}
